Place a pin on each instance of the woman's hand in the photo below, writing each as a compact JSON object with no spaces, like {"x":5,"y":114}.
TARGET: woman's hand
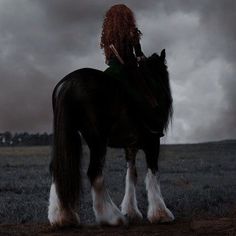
{"x":141,"y":58}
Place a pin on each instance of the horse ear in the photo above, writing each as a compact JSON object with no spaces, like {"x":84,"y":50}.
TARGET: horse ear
{"x":163,"y":54}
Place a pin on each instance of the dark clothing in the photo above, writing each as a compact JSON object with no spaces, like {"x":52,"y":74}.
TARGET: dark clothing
{"x":129,"y":58}
{"x":140,"y":96}
{"x":122,"y":73}
{"x":127,"y":72}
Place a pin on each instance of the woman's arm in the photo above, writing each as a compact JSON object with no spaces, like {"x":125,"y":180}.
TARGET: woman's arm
{"x":138,"y":52}
{"x":136,"y":34}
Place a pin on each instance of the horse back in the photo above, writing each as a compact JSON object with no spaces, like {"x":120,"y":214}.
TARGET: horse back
{"x":91,"y":92}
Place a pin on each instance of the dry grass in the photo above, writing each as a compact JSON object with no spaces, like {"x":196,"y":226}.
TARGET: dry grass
{"x":196,"y":180}
{"x":39,"y":151}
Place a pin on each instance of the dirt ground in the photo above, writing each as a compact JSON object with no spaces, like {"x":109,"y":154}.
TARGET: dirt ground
{"x":221,"y":226}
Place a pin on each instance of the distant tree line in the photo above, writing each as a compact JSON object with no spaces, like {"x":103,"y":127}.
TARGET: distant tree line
{"x":25,"y":139}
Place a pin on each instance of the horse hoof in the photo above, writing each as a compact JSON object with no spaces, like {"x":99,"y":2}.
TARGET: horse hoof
{"x":133,"y":215}
{"x":160,"y":215}
{"x":167,"y":216}
{"x":113,"y":221}
{"x":65,"y":220}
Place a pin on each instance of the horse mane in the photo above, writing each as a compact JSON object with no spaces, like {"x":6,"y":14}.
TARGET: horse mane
{"x":158,"y":77}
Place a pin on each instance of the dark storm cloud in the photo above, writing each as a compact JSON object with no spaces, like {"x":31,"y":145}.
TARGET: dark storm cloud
{"x":218,"y":118}
{"x":41,"y":41}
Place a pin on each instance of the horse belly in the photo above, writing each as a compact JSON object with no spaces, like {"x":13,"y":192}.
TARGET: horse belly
{"x":123,"y":134}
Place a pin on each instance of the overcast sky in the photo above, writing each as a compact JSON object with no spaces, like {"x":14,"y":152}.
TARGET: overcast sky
{"x":42,"y":41}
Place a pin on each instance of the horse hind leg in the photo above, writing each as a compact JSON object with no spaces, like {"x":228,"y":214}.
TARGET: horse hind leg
{"x":129,"y":204}
{"x":106,"y":212}
{"x":157,"y":210}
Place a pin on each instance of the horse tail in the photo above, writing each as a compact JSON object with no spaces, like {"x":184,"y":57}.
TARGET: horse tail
{"x":67,"y":149}
{"x":56,"y":91}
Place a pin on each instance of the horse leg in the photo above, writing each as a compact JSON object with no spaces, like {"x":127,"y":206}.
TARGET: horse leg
{"x":129,"y":205}
{"x":106,"y":212}
{"x":157,"y":210}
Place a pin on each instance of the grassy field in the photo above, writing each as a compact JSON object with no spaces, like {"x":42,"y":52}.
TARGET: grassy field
{"x":197,"y":181}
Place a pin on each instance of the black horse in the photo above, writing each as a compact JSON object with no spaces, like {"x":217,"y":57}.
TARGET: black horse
{"x":90,"y":103}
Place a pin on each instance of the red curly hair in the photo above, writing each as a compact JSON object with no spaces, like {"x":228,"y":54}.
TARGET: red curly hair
{"x":119,"y":27}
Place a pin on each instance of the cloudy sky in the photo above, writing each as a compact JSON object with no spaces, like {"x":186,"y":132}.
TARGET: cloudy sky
{"x":41,"y":41}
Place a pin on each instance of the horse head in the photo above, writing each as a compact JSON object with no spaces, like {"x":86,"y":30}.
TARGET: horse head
{"x":158,"y":62}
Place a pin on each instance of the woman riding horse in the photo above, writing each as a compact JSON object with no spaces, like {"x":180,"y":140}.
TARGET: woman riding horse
{"x":88,"y":103}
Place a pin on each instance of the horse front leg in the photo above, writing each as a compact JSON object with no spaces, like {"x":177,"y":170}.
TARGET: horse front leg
{"x":157,"y":210}
{"x":129,"y":204}
{"x":106,"y":212}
